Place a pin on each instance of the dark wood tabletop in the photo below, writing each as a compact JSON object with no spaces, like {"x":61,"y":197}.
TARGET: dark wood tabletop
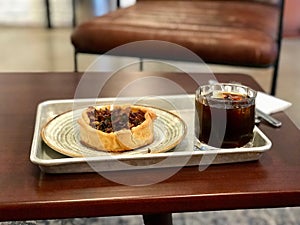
{"x":27,"y":193}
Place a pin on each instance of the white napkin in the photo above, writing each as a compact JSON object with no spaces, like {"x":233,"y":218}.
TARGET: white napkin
{"x":270,"y":104}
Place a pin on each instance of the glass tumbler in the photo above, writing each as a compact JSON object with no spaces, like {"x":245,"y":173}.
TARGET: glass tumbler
{"x":225,"y":114}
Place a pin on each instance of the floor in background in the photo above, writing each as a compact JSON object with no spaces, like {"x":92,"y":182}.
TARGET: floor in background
{"x":35,"y":48}
{"x":280,"y":216}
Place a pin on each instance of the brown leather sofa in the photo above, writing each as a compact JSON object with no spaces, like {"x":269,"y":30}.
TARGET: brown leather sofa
{"x":233,"y":32}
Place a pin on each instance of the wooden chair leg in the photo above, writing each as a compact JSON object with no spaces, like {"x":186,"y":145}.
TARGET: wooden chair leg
{"x":158,"y":219}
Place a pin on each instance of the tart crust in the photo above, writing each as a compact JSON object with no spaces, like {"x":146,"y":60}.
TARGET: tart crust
{"x":121,"y":140}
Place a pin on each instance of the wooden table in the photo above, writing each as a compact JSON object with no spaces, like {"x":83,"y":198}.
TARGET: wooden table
{"x":26,"y":193}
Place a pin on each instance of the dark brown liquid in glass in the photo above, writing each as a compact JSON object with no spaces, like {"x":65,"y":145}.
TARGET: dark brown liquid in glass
{"x":237,"y":116}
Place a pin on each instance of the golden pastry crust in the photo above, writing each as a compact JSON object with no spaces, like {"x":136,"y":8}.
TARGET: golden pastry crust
{"x":121,"y":140}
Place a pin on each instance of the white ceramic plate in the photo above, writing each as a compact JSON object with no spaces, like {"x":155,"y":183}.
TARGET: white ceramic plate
{"x":62,"y":135}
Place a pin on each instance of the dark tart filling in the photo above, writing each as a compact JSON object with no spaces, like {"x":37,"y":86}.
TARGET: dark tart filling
{"x":114,"y":120}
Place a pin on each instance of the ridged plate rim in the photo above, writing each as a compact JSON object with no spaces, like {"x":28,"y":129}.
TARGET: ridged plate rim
{"x":176,"y":127}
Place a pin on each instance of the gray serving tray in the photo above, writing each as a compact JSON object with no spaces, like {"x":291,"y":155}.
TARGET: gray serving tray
{"x":184,"y":154}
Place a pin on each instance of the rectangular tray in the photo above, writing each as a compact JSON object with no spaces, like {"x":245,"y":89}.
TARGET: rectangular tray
{"x":185,"y":154}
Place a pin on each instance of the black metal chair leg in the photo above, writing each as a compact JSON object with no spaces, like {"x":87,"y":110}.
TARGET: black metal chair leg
{"x":158,"y":219}
{"x":118,"y":3}
{"x":48,"y":14}
{"x":279,"y":40}
{"x":75,"y":61}
{"x":275,"y":78}
{"x":47,"y":4}
{"x":74,"y":19}
{"x":141,"y":64}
